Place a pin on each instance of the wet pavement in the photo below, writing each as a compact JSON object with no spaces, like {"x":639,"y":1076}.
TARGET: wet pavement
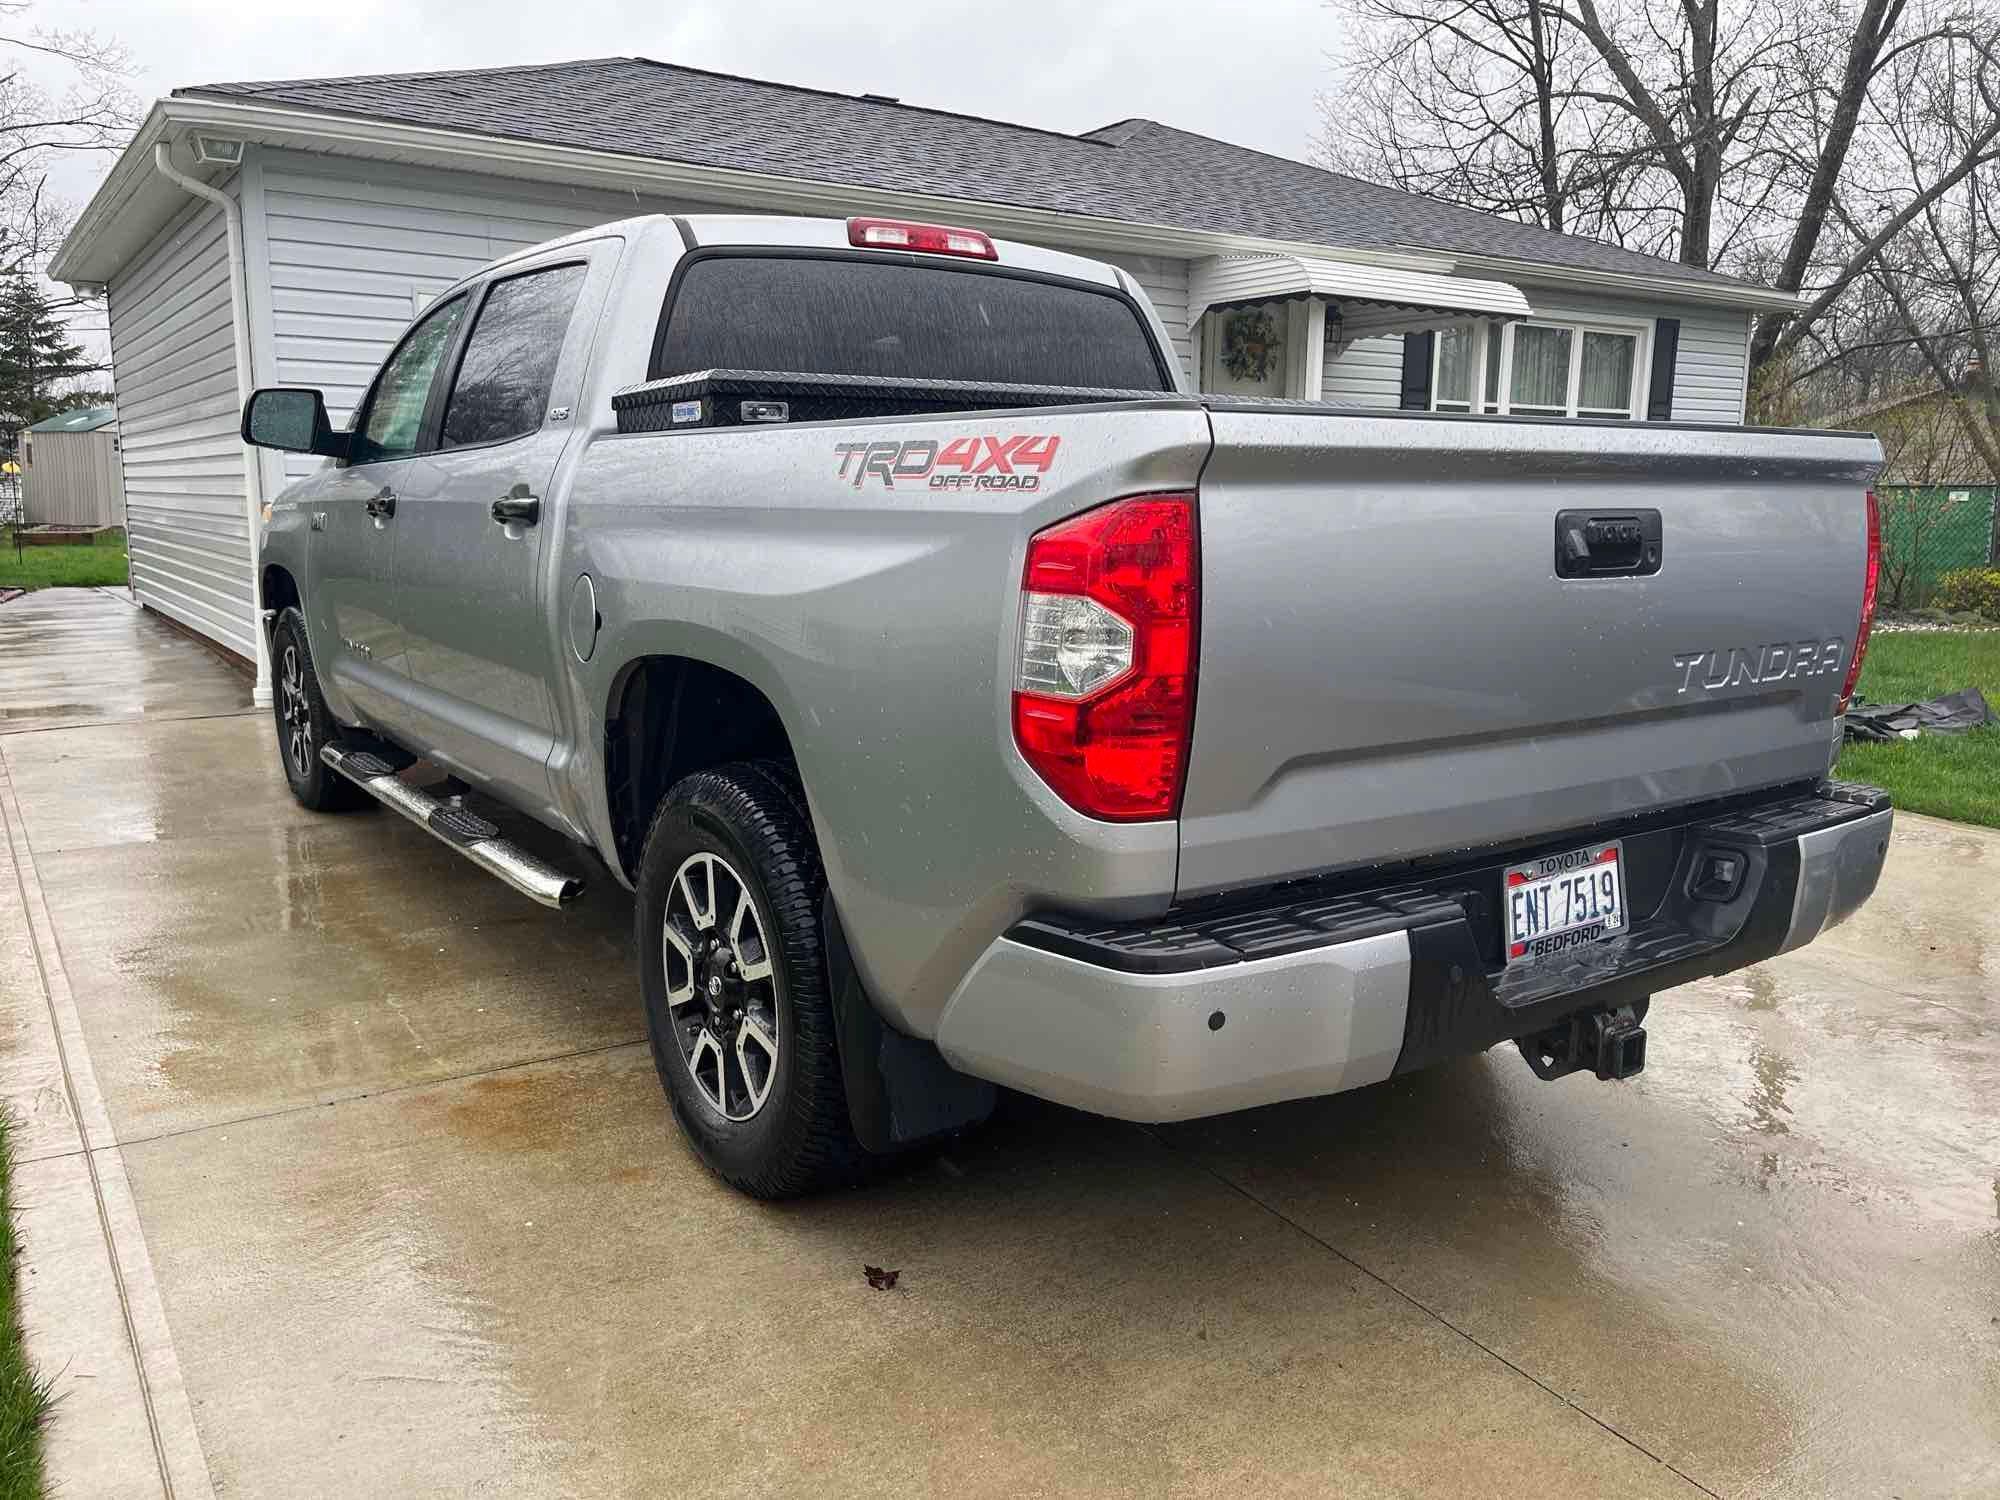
{"x":396,"y":1207}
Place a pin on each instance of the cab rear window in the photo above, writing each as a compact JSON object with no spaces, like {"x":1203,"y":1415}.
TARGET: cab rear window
{"x":847,"y":316}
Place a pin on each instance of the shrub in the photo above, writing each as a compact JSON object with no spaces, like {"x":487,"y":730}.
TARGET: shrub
{"x":1973,"y":590}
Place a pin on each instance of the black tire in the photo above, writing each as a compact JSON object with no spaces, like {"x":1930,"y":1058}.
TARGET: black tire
{"x":745,"y":823}
{"x":304,"y":724}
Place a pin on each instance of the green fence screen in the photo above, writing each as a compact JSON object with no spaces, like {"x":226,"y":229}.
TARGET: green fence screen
{"x":1926,"y":532}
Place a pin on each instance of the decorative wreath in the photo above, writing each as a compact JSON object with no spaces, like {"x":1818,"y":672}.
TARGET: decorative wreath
{"x":1250,"y":344}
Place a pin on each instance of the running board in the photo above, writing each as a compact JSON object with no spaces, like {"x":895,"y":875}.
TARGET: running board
{"x":467,"y":832}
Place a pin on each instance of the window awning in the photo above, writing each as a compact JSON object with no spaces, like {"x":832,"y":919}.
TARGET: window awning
{"x":1370,"y":298}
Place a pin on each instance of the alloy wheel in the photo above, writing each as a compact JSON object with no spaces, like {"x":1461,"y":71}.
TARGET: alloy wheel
{"x":296,"y":713}
{"x":721,"y":985}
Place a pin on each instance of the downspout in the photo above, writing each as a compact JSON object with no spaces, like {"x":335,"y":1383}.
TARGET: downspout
{"x":239,"y":320}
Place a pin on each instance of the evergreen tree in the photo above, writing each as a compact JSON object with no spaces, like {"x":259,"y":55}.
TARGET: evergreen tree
{"x":36,"y":352}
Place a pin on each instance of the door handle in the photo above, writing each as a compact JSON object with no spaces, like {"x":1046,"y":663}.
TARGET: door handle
{"x":382,"y":504}
{"x":517,"y":509}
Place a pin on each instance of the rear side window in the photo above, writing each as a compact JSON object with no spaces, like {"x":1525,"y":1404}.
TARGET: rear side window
{"x":503,"y":383}
{"x":827,"y":316}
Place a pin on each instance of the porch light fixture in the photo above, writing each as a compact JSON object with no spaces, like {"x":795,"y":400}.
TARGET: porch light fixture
{"x":219,"y":150}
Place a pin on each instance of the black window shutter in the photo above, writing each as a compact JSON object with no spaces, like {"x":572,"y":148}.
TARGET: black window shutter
{"x":1417,"y":371}
{"x":1666,"y":344}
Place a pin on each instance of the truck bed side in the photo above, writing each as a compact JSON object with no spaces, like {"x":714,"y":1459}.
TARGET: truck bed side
{"x":878,"y":615}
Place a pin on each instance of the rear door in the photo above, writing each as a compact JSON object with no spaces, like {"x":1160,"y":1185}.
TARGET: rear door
{"x":1397,"y":662}
{"x":475,"y":523}
{"x":354,"y":621}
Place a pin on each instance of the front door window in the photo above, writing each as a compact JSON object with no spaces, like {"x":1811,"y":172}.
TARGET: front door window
{"x":392,"y":424}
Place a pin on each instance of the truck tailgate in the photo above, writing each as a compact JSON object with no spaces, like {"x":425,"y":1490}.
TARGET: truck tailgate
{"x":1392,"y":667}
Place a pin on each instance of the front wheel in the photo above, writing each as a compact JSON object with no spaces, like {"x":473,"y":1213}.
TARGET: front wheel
{"x":733,"y":972}
{"x":304,"y":722}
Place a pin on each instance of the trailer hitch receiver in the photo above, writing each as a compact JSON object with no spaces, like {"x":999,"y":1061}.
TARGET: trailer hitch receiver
{"x":1611,"y":1043}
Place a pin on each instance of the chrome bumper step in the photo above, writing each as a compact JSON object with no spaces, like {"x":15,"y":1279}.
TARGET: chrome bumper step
{"x":471,"y":835}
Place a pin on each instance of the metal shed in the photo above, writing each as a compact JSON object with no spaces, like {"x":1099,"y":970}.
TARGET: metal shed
{"x":70,"y":471}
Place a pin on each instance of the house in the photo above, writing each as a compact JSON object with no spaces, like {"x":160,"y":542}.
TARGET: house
{"x":70,"y":471}
{"x":283,"y":233}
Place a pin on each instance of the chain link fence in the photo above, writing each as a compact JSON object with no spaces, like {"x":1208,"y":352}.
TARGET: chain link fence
{"x":1927,"y":531}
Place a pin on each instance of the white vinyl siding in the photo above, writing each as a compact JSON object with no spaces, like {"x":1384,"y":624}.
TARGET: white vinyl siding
{"x":354,"y":251}
{"x":173,"y":350}
{"x":1711,"y":372}
{"x":1369,"y":372}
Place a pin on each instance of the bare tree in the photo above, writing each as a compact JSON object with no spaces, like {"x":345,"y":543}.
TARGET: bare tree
{"x":1471,"y":101}
{"x":1724,"y":135}
{"x":61,"y":92}
{"x":1909,"y":273}
{"x":1622,"y":121}
{"x":1942,"y":271}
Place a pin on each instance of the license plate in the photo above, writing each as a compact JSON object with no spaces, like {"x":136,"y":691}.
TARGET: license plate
{"x":1563,"y":901}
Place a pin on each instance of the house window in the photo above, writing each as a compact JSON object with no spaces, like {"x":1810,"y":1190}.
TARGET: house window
{"x":1452,"y":381}
{"x":1539,"y":369}
{"x":1606,"y":375}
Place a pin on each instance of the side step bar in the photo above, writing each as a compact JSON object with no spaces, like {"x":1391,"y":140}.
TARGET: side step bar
{"x":467,"y":832}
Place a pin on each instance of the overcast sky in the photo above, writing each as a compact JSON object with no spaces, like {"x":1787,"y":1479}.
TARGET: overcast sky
{"x":1245,"y":74}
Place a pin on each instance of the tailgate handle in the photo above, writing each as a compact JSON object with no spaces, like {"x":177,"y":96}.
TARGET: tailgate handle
{"x":1607,"y":544}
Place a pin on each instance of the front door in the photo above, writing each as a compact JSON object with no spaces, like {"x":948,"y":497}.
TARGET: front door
{"x":355,"y":625}
{"x":470,"y":560}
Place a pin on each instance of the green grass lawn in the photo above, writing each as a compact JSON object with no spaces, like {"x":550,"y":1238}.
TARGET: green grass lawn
{"x":1949,"y":776}
{"x":63,"y":567}
{"x":24,"y":1398}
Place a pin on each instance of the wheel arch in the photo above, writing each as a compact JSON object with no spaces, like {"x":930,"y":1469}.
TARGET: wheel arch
{"x":279,"y":589}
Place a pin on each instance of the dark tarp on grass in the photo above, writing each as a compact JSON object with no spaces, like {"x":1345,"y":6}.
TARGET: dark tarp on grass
{"x":1952,"y":714}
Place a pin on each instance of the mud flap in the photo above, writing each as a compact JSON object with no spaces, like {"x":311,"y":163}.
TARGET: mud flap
{"x":900,"y":1090}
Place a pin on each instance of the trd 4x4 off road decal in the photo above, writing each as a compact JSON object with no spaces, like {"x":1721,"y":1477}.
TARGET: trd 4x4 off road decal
{"x":967,"y":463}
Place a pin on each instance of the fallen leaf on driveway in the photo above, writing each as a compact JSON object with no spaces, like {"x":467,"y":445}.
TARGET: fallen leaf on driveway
{"x":880,"y":1279}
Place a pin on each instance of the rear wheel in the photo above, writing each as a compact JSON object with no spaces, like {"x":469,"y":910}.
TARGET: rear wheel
{"x":304,"y":722}
{"x":733,"y":973}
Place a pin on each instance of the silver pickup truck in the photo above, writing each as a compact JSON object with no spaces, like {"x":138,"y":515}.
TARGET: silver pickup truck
{"x":967,"y":703}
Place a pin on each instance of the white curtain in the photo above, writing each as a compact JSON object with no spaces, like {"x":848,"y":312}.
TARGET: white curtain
{"x":1541,"y":368}
{"x":1607,"y":372}
{"x":1454,"y":375}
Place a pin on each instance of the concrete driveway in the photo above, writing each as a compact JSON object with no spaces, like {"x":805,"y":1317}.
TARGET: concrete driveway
{"x":343,"y":1171}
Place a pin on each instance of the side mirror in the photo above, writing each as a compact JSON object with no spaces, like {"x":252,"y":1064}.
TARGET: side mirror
{"x":291,"y":419}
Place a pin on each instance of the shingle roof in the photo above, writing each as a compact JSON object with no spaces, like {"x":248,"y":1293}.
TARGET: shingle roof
{"x":1134,"y":170}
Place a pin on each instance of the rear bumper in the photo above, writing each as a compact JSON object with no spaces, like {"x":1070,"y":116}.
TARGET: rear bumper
{"x":1316,"y":988}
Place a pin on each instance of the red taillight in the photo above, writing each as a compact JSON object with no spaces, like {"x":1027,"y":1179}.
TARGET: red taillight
{"x":1871,"y":582}
{"x":1104,"y":678}
{"x":934,"y":239}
